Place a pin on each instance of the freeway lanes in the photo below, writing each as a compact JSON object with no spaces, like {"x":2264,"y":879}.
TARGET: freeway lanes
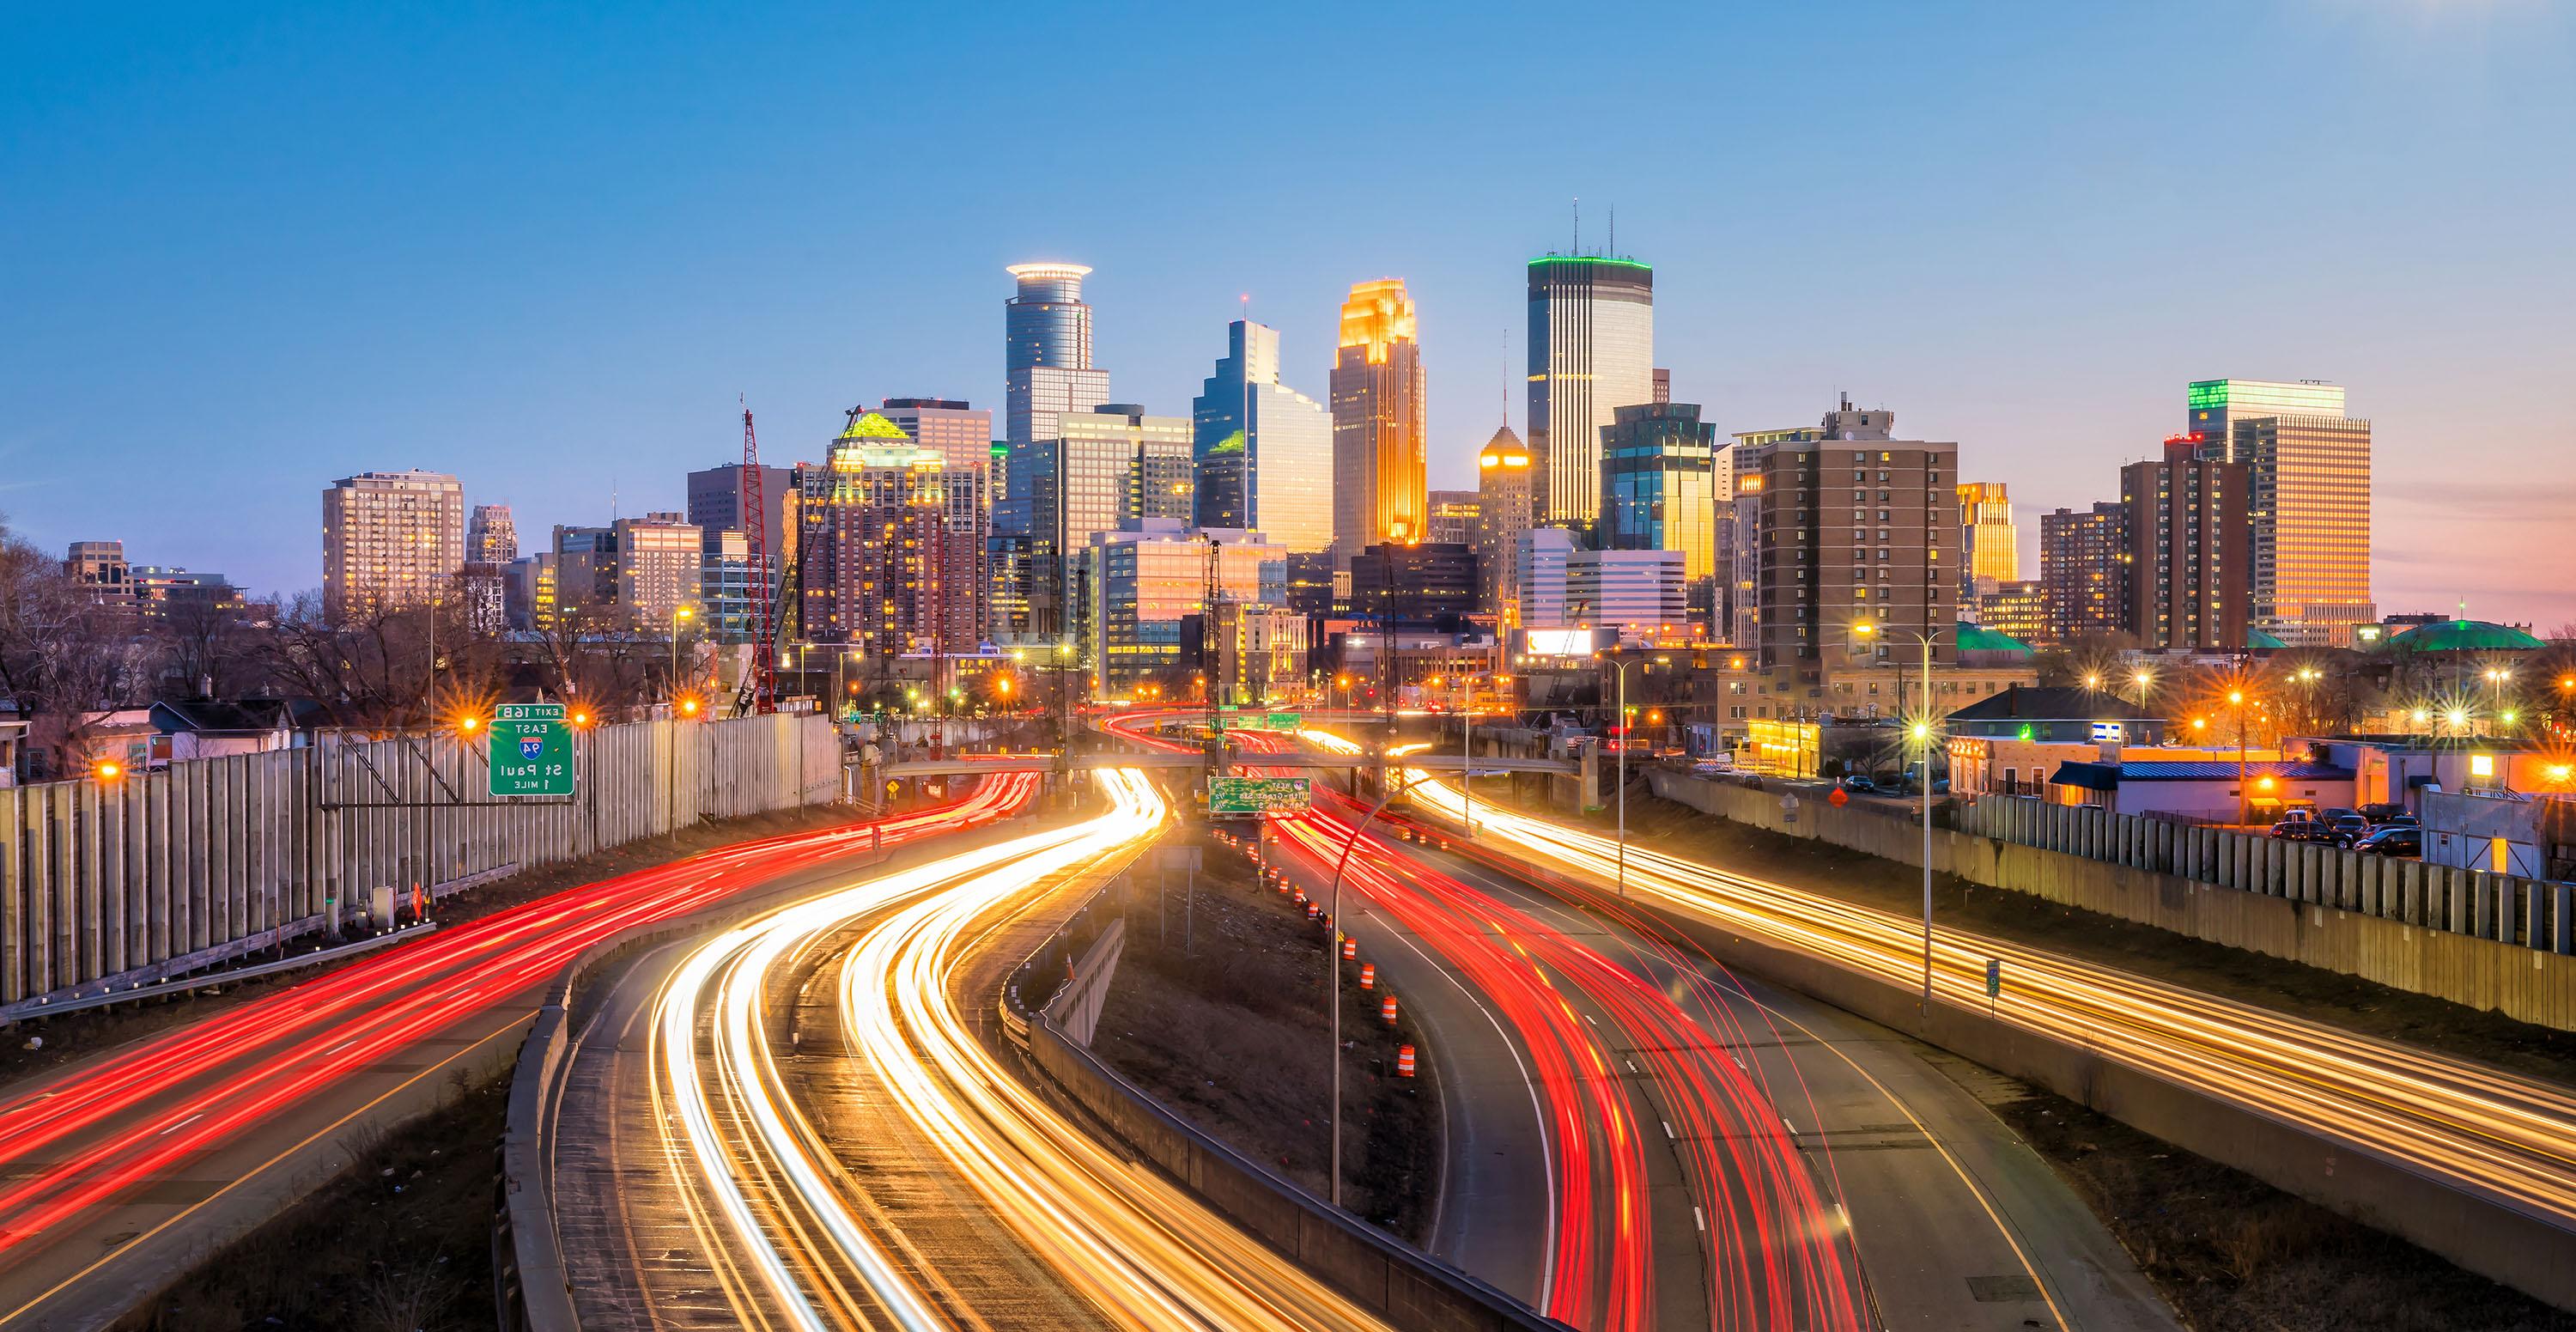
{"x":117,"y":1171}
{"x":2499,"y":1135}
{"x":1007,"y":1215}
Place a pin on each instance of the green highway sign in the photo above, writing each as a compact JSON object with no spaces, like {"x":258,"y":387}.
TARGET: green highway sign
{"x":1238,"y":720}
{"x":1286,"y":721}
{"x":1257,"y":795}
{"x":531,"y":750}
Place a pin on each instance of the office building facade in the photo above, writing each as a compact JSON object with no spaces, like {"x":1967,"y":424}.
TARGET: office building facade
{"x":391,"y":541}
{"x":1641,"y":593}
{"x":1505,"y":473}
{"x":1591,"y":351}
{"x":1262,"y":448}
{"x":1454,"y":516}
{"x":2083,"y":572}
{"x":1379,"y":487}
{"x":1421,"y":584}
{"x":1660,"y":490}
{"x":2018,"y":607}
{"x":657,"y":563}
{"x":961,"y":434}
{"x":2188,"y":542}
{"x":1541,"y":560}
{"x":1147,"y":584}
{"x":1105,"y":467}
{"x":2307,"y":472}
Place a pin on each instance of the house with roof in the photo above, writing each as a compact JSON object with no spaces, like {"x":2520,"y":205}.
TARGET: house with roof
{"x":200,"y":728}
{"x":2057,"y":713}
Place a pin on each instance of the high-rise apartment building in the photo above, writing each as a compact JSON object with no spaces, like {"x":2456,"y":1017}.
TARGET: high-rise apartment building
{"x":1660,"y":491}
{"x":1378,"y":478}
{"x":491,"y":537}
{"x":1855,"y":527}
{"x":1504,"y":477}
{"x":2307,"y":468}
{"x":1989,"y":547}
{"x":893,"y":547}
{"x":1262,"y":447}
{"x":1046,"y":352}
{"x":1739,"y":533}
{"x":2187,"y":538}
{"x":657,"y":562}
{"x":2083,"y":571}
{"x":1591,"y":351}
{"x":391,"y":540}
{"x":2018,"y":608}
{"x":715,"y":498}
{"x":1455,"y":516}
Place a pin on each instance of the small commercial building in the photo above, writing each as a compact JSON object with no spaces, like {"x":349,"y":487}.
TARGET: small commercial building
{"x":2203,"y":790}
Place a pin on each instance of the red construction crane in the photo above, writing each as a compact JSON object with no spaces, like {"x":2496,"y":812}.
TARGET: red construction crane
{"x":760,"y":683}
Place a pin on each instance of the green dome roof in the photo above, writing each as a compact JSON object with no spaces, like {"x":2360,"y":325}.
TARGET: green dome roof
{"x":1978,"y":638}
{"x":2463,"y":636}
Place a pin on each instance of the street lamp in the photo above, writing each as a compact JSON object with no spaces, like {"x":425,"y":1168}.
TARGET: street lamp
{"x":2143,"y":679}
{"x":1333,"y":970}
{"x":2496,"y":676}
{"x":1922,"y":734}
{"x":2236,"y":698}
{"x":1621,"y":671}
{"x":679,"y":619}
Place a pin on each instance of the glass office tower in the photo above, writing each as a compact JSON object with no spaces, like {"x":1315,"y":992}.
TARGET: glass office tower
{"x":1379,"y":484}
{"x":1046,"y":351}
{"x":1659,"y":484}
{"x":2307,"y":468}
{"x":1591,"y":351}
{"x":1262,"y":447}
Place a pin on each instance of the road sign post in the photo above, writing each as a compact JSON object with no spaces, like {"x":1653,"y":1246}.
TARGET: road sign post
{"x":1238,"y":797}
{"x":530,"y":751}
{"x":1994,"y":982}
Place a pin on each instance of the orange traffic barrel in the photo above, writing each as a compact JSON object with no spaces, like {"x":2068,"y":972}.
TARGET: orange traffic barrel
{"x":1387,"y":1010}
{"x":1368,"y":975}
{"x":1313,"y":910}
{"x":1403,"y":1060}
{"x":1350,"y":949}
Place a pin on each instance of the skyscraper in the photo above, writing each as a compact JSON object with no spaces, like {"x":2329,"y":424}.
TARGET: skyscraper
{"x":1454,"y":516}
{"x":1503,"y":512}
{"x":1105,"y":467}
{"x":2186,"y":535}
{"x":1378,"y":479}
{"x":2307,"y":467}
{"x":1262,"y":447}
{"x":391,"y":540}
{"x":1659,"y":474}
{"x":1591,"y":351}
{"x":2083,"y":577}
{"x":658,"y":559}
{"x":1046,"y":336}
{"x":1989,"y":548}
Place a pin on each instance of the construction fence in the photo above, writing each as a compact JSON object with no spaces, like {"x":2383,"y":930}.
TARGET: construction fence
{"x":165,"y":872}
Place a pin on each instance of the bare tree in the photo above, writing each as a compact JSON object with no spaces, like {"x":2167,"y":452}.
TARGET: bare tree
{"x":63,"y":658}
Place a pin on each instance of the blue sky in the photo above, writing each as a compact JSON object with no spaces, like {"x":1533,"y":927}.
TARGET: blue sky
{"x":250,"y":249}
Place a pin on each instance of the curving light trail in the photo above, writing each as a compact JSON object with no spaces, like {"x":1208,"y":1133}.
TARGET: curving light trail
{"x":2511,"y":1137}
{"x":1141,"y":1251}
{"x":172,"y":1097}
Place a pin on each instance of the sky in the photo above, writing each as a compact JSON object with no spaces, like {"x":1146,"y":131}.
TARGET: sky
{"x":247,"y":250}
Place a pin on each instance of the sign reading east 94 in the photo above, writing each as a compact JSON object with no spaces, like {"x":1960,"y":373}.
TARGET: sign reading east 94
{"x":531,"y":750}
{"x":1257,"y":795}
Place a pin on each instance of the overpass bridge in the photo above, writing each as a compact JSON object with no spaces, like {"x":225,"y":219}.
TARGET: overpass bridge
{"x":1429,"y":762}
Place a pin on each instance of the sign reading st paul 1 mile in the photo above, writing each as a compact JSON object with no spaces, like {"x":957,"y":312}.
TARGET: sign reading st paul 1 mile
{"x":531,"y":750}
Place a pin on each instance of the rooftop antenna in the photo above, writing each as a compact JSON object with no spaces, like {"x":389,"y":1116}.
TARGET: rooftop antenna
{"x":1578,"y":224}
{"x":1613,"y":251}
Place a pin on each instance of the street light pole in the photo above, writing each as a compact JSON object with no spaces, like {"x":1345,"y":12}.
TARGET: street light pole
{"x":1923,"y":736}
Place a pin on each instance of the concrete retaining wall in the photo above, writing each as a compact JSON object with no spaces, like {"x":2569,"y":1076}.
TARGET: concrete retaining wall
{"x":2479,"y":1233}
{"x":1382,"y":1275}
{"x":207,"y":860}
{"x":2458,"y":935}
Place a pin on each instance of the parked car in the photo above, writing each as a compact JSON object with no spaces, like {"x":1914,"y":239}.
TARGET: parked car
{"x":2308,"y":830}
{"x":2402,"y":821}
{"x":2382,"y":812}
{"x":2338,"y":815}
{"x":2393,"y":841}
{"x":1859,"y":785}
{"x":2353,"y":826}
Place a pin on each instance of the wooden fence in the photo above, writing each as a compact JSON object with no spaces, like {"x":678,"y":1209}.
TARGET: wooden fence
{"x":164,"y":872}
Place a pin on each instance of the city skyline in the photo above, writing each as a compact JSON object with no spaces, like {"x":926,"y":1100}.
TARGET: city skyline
{"x":2043,"y":326}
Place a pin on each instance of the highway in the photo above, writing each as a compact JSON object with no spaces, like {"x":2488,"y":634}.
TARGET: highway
{"x":1638,"y":1139}
{"x":878,"y":1167}
{"x":2507,"y":1137}
{"x":120,"y":1170}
